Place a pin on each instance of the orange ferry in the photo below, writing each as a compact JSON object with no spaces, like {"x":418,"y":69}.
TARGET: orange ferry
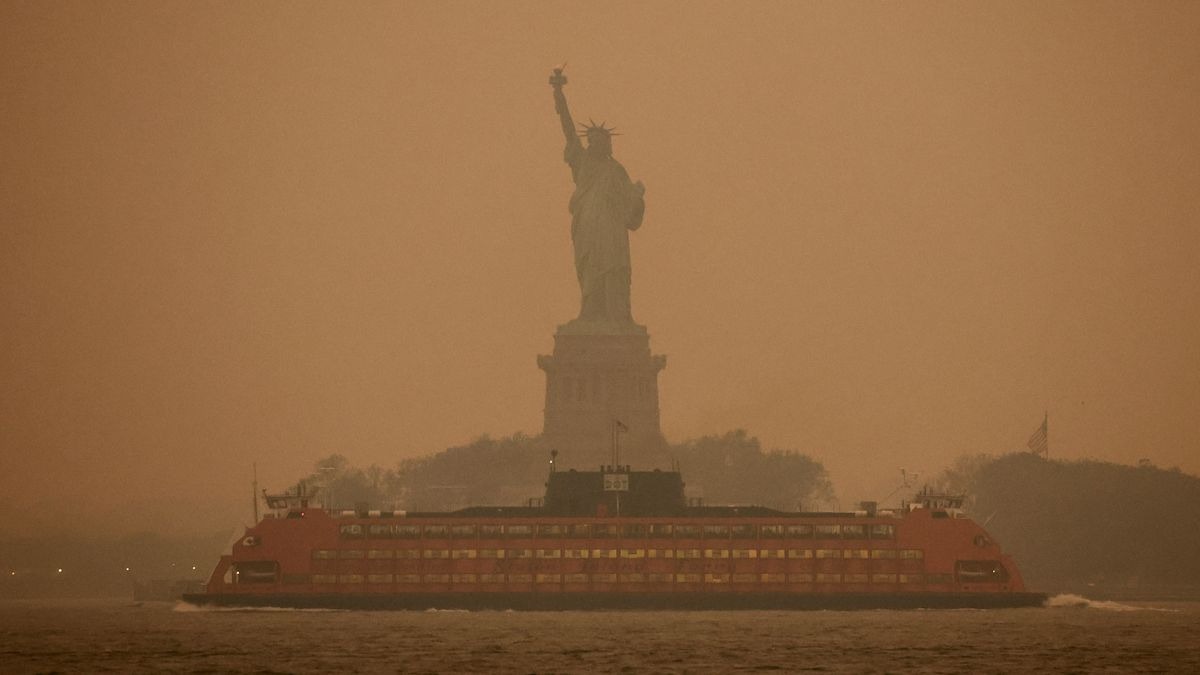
{"x":617,"y":539}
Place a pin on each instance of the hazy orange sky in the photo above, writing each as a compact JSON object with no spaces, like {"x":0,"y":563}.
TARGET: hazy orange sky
{"x":884,"y":234}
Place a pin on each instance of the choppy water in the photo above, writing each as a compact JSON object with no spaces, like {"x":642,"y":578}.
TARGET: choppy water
{"x":1072,"y":634}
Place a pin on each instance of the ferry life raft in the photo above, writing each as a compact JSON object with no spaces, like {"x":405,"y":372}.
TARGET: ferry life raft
{"x":617,"y":539}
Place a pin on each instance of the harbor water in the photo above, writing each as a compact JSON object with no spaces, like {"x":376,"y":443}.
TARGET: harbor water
{"x":1070,"y":634}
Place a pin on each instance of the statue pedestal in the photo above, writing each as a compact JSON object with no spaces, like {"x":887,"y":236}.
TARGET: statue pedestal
{"x":598,"y":374}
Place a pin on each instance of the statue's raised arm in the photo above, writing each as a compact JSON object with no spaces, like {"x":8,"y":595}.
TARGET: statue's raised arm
{"x":557,"y":80}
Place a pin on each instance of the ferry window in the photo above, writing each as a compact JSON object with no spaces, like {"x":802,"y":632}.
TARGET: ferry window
{"x":829,"y":578}
{"x":491,"y":531}
{"x":351,"y":531}
{"x":578,"y":530}
{"x":660,"y":553}
{"x":687,"y":553}
{"x":549,"y":531}
{"x":518,"y":553}
{"x":910,"y":579}
{"x":633,"y":553}
{"x":376,"y":553}
{"x":855,"y":553}
{"x":799,"y":553}
{"x":716,"y":531}
{"x":716,"y":553}
{"x":324,"y":578}
{"x":604,"y":553}
{"x":436,"y":531}
{"x":856,"y":578}
{"x":325,"y":554}
{"x":659,"y":578}
{"x":854,"y":531}
{"x":943,"y":578}
{"x":379,"y":531}
{"x":742,"y":531}
{"x":575,"y":578}
{"x":633,"y":531}
{"x":745,"y":553}
{"x":406,"y":531}
{"x":491,"y":578}
{"x":883,"y":578}
{"x":350,"y":578}
{"x":491,"y":553}
{"x":408,"y":578}
{"x":549,"y":553}
{"x":687,"y":578}
{"x":883,"y":531}
{"x":802,"y":578}
{"x":600,"y":531}
{"x":462,"y":531}
{"x":912,"y":554}
{"x":883,"y":553}
{"x":633,"y":578}
{"x":520,"y":578}
{"x":770,"y":531}
{"x":463,"y":553}
{"x":772,"y":578}
{"x":771,"y":553}
{"x":660,"y":530}
{"x":408,"y":553}
{"x":799,"y":531}
{"x":688,"y":531}
{"x":716,"y":578}
{"x":463,"y":578}
{"x":974,"y":571}
{"x":828,"y":553}
{"x":353,"y":554}
{"x":549,"y":578}
{"x":826,"y":531}
{"x":745,"y":578}
{"x":436,"y":554}
{"x":379,"y":578}
{"x":575,"y":553}
{"x":436,"y":578}
{"x":518,"y":531}
{"x":608,"y":578}
{"x":256,"y":572}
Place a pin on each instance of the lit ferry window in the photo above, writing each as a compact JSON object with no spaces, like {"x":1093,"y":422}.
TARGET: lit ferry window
{"x":742,"y":531}
{"x":436,"y":554}
{"x":436,"y":531}
{"x":799,"y":531}
{"x":379,"y":578}
{"x":687,"y":578}
{"x":884,"y":553}
{"x":828,"y":553}
{"x":883,"y":531}
{"x":856,"y":578}
{"x":578,"y":530}
{"x":828,"y":578}
{"x":745,"y":553}
{"x":377,"y":554}
{"x":883,"y":578}
{"x":770,"y":531}
{"x":826,"y":531}
{"x":491,"y":531}
{"x":687,"y":531}
{"x":771,"y":553}
{"x":772,"y":578}
{"x":462,"y":531}
{"x":801,"y":578}
{"x":463,"y":553}
{"x":518,"y":553}
{"x":854,"y":531}
{"x":549,"y":531}
{"x":801,"y":553}
{"x":855,"y":553}
{"x":353,"y":554}
{"x":660,"y":530}
{"x":716,"y":531}
{"x":912,"y":554}
{"x":518,"y":531}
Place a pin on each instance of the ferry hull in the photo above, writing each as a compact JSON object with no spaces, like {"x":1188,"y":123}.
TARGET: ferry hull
{"x":622,"y":601}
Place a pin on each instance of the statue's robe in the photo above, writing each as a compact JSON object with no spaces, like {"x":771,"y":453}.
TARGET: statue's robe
{"x":604,"y":206}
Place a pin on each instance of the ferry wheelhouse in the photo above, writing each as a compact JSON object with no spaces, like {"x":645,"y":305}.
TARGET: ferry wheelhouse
{"x":617,"y":538}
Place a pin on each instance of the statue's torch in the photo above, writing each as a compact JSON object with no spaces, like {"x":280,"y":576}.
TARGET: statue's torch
{"x":557,"y":79}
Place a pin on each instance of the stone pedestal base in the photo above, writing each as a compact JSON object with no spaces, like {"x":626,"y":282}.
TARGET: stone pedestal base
{"x":594,"y":378}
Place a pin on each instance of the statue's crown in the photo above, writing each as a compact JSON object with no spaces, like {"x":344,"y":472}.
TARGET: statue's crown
{"x":591,"y":127}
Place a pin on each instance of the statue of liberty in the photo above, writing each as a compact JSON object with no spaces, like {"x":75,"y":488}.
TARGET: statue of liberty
{"x":604,"y":206}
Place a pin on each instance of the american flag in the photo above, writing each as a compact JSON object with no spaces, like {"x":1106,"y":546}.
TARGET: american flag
{"x":1039,"y":442}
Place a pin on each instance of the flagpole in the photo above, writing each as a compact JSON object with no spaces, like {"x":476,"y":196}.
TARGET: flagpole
{"x":1046,"y":430}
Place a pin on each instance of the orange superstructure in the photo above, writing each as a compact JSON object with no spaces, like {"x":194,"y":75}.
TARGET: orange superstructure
{"x":647,"y":551}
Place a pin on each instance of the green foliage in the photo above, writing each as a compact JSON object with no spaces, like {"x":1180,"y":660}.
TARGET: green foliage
{"x":734,"y":469}
{"x":1084,"y":522}
{"x":728,"y":469}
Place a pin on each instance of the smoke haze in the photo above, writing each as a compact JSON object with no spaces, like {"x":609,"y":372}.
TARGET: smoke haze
{"x":881,"y":234}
